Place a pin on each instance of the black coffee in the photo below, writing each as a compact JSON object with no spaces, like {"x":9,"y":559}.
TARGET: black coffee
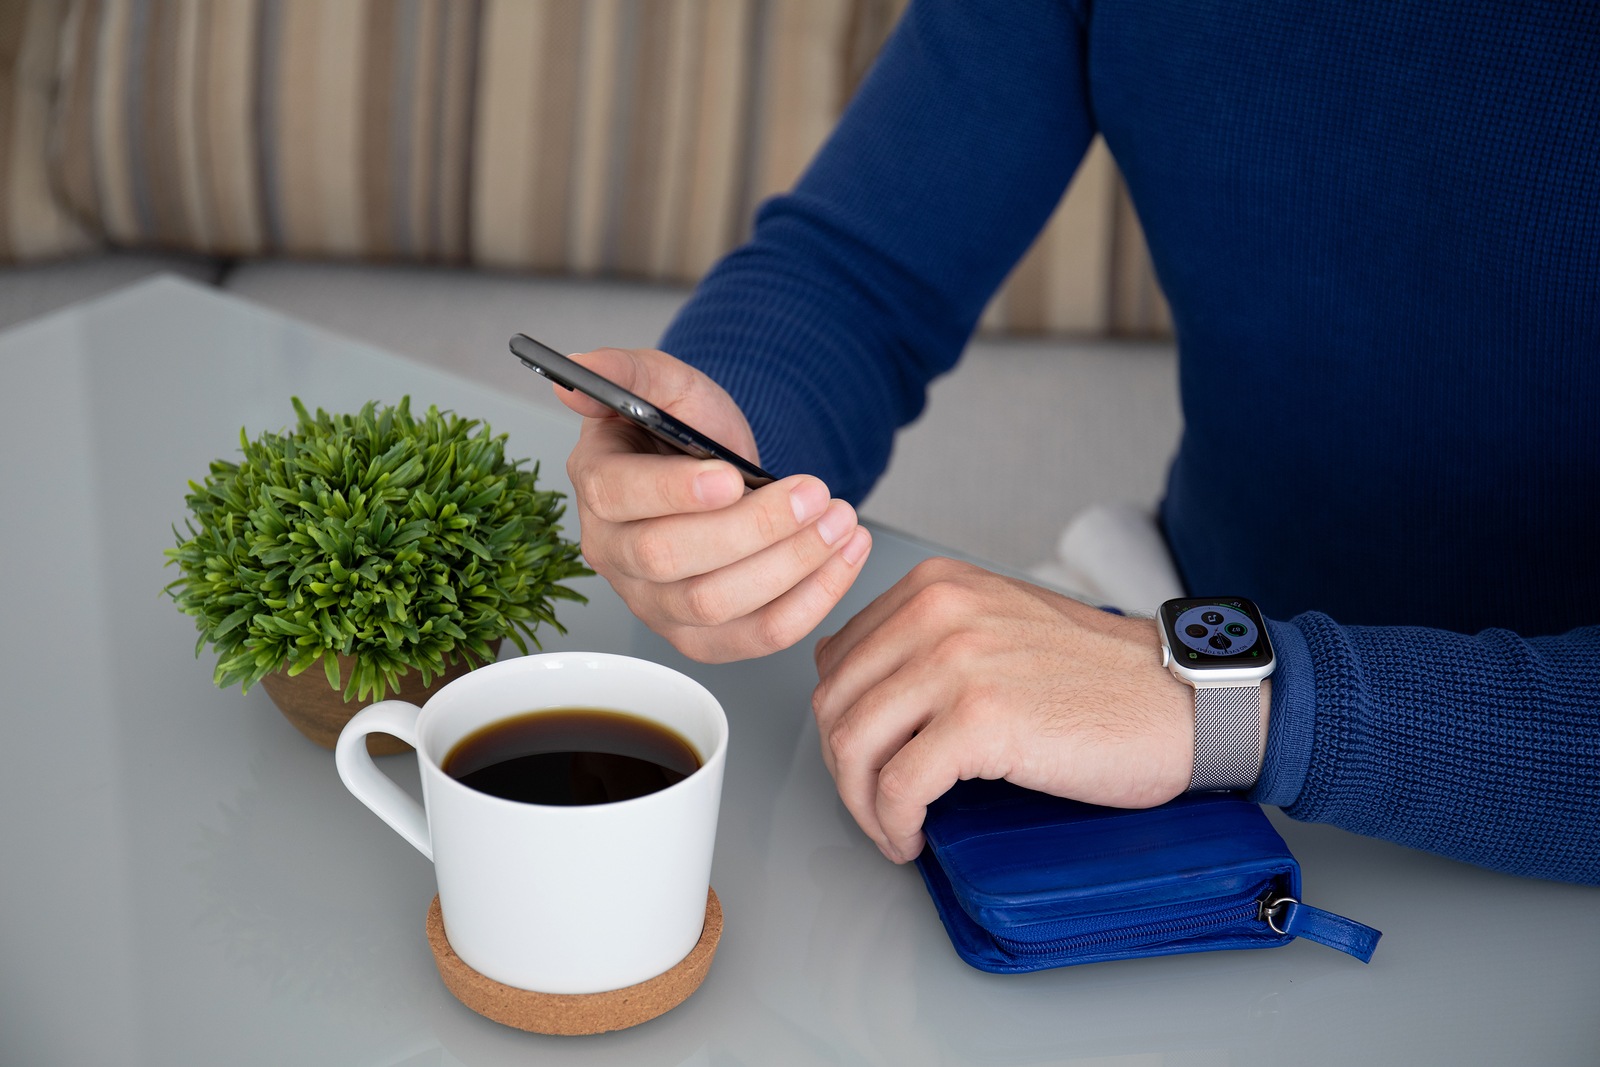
{"x":567,"y":756}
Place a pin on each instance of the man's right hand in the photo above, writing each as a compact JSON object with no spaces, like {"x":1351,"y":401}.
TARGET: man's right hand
{"x":721,"y":573}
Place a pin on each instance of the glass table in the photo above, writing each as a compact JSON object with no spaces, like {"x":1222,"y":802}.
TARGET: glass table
{"x":184,"y":880}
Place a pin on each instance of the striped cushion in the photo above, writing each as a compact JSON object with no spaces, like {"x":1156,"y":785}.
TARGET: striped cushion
{"x":615,"y":137}
{"x":586,"y":136}
{"x":32,"y":226}
{"x":1089,"y":272}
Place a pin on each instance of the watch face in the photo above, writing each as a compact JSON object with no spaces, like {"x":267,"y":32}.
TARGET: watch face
{"x":1216,"y":633}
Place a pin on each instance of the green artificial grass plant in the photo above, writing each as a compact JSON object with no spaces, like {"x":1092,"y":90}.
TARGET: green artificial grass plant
{"x":403,"y":542}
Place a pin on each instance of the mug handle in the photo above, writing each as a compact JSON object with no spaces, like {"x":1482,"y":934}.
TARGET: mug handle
{"x":371,"y":786}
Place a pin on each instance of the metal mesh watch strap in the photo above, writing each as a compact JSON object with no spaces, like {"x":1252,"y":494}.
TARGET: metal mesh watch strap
{"x":1227,"y":737}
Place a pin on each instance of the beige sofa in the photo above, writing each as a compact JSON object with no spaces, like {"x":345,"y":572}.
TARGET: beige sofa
{"x":433,"y":175}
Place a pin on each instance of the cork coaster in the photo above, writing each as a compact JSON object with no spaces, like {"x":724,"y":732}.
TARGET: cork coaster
{"x":576,"y":1013}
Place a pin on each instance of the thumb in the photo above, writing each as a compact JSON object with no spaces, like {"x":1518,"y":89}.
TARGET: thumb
{"x":615,"y":364}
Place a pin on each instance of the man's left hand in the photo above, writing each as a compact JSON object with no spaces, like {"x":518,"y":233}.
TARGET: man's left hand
{"x":957,"y":673}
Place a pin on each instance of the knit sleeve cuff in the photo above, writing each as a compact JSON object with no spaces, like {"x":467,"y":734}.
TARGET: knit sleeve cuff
{"x":1292,"y":721}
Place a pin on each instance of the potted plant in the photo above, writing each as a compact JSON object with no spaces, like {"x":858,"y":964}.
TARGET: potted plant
{"x":392,"y":551}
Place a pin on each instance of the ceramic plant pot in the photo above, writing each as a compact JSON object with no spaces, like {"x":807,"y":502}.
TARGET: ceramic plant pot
{"x":319,"y":711}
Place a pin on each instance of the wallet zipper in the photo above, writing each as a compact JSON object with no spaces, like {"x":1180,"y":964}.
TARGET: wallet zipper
{"x":1173,"y":923}
{"x":1282,"y":915}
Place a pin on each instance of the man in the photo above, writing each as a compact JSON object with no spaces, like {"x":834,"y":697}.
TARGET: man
{"x":1379,"y":231}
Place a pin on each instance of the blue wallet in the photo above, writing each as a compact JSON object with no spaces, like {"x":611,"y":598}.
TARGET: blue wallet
{"x":1024,"y":881}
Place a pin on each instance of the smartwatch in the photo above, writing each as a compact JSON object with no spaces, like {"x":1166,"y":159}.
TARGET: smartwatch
{"x":1219,"y":647}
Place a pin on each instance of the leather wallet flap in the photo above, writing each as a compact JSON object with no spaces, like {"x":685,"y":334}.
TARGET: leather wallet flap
{"x":1016,"y":858}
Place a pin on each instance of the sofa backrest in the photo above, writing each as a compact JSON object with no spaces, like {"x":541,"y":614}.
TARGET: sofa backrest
{"x":32,"y":224}
{"x":629,"y":138}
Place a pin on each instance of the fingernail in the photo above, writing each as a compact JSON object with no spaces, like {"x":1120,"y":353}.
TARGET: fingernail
{"x":715,"y":488}
{"x":856,"y":547}
{"x":808,"y":499}
{"x":890,"y":856}
{"x":838,"y":521}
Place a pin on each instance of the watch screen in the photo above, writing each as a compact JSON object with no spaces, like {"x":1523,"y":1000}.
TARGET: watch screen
{"x":1216,"y":632}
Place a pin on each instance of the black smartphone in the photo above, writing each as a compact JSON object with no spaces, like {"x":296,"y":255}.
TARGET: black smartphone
{"x":570,"y":374}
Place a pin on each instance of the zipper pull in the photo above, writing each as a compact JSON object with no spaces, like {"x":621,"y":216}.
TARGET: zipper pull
{"x":1286,"y":915}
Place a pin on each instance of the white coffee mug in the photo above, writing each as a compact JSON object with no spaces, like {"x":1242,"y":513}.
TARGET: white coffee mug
{"x":577,"y":899}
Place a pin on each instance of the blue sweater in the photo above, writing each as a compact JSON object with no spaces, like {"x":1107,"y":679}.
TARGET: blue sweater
{"x":1378,"y":226}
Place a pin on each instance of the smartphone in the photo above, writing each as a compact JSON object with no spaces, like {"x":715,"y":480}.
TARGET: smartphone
{"x":569,"y":374}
